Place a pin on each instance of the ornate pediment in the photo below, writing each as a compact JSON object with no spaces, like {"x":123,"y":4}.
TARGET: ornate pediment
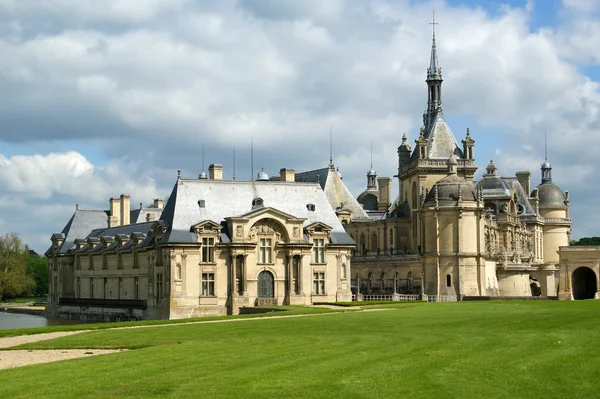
{"x":268,"y":226}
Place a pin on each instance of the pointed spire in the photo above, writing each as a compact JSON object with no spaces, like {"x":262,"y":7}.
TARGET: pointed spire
{"x":546,"y":167}
{"x":330,"y":148}
{"x":434,"y":71}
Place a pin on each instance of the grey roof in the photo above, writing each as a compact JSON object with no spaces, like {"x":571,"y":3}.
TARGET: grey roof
{"x":80,"y":225}
{"x":441,"y":142}
{"x":223,"y":199}
{"x":434,"y":71}
{"x":335,"y":190}
{"x":139,"y":215}
{"x":369,"y":199}
{"x":494,"y":186}
{"x":551,"y":196}
{"x":522,"y":196}
{"x":450,"y":188}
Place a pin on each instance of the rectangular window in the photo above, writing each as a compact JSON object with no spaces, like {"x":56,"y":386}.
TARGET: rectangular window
{"x":319,"y":283}
{"x":159,"y":288}
{"x":136,"y":291}
{"x":104,"y":261}
{"x":91,"y":287}
{"x":208,"y":250}
{"x":78,"y":287}
{"x":136,"y":259}
{"x":318,"y":250}
{"x":265,"y":250}
{"x":105,"y":287}
{"x":208,"y":284}
{"x":120,"y":287}
{"x":91,"y":266}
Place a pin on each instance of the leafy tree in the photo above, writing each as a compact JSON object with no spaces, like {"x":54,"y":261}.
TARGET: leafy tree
{"x":14,"y":279}
{"x":37,"y":268}
{"x":586,"y":241}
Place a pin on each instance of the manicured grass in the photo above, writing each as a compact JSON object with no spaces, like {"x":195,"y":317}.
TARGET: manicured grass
{"x":544,"y":349}
{"x":289,"y":310}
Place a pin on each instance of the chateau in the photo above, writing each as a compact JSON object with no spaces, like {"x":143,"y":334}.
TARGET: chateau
{"x":217,"y":246}
{"x":448,"y":235}
{"x":224,"y":246}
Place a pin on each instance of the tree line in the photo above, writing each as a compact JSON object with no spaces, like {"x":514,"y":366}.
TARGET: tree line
{"x":585,"y":241}
{"x":23,"y":272}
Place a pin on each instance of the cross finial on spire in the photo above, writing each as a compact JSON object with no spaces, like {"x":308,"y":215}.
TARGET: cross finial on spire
{"x":433,"y":23}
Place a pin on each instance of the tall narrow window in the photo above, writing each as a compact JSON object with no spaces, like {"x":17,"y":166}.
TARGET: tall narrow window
{"x":448,"y":280}
{"x":136,"y":259}
{"x":319,"y":283}
{"x":136,"y":291}
{"x":78,"y":287}
{"x":318,"y":250}
{"x":391,"y":237}
{"x":178,"y":271}
{"x":297,"y":274}
{"x":264,"y":250}
{"x":104,"y":287}
{"x":208,"y":284}
{"x":208,"y":250}
{"x":91,"y":288}
{"x":120,"y":287}
{"x":159,"y":288}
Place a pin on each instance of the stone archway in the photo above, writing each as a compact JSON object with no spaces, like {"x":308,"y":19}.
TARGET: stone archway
{"x":584,"y":283}
{"x":266,"y":288}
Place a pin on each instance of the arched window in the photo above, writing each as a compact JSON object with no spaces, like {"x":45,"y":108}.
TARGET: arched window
{"x":374,"y":242}
{"x":448,"y":280}
{"x":414,"y":196}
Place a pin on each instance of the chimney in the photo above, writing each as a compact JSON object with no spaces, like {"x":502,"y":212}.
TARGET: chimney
{"x":158,"y":203}
{"x":125,"y":209}
{"x":115,"y":212}
{"x":385,"y":193}
{"x":215,"y":171}
{"x":287,"y":174}
{"x":525,"y":179}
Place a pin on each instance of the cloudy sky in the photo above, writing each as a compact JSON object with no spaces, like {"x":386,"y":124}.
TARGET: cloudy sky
{"x":102,"y":97}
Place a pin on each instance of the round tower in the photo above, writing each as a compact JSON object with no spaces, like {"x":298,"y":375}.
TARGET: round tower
{"x":453,"y":239}
{"x":554,"y":208}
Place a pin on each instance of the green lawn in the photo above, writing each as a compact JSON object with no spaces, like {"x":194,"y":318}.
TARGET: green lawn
{"x":544,"y":349}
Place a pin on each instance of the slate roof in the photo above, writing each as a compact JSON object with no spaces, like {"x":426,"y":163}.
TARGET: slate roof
{"x":226,"y":198}
{"x":440,"y":141}
{"x":335,"y":190}
{"x":139,"y":215}
{"x":80,"y":225}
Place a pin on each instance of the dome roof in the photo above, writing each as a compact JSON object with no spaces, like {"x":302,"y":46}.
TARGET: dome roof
{"x":494,"y":185}
{"x":371,"y":172}
{"x":262,"y":176}
{"x":551,"y":196}
{"x":546,"y":165}
{"x":369,"y":199}
{"x":448,"y":189}
{"x":203,"y":175}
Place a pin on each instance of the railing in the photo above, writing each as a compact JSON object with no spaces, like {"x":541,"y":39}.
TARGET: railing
{"x":442,"y":298}
{"x":104,"y":303}
{"x":396,"y":297}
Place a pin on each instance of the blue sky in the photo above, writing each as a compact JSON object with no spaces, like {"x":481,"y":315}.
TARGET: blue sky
{"x":98,"y":101}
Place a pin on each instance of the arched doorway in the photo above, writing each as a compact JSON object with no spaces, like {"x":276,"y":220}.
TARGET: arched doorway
{"x":266,"y":287}
{"x":584,"y":284}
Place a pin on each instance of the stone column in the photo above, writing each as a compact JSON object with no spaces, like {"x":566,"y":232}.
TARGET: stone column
{"x":232,"y":286}
{"x":290,"y":277}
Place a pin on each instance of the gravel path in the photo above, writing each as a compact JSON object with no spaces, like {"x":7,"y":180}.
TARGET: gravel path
{"x":18,"y":358}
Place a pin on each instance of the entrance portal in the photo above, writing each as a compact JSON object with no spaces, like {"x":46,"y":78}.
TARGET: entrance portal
{"x":266,"y":285}
{"x":584,"y":283}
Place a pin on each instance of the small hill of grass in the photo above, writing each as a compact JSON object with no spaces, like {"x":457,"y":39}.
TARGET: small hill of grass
{"x":545,"y":349}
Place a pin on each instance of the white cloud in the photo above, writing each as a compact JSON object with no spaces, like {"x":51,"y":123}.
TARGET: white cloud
{"x":149,"y":82}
